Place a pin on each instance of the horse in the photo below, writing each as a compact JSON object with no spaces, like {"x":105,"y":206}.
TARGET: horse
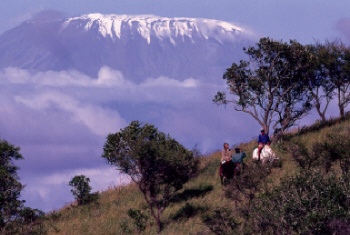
{"x":226,"y":171}
{"x":266,"y":155}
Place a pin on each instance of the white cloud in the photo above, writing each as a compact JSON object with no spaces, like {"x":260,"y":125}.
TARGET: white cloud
{"x":110,"y":77}
{"x":52,"y":191}
{"x":99,"y":177}
{"x":109,"y":86}
{"x":107,"y":77}
{"x":99,"y":120}
{"x":61,"y":120}
{"x":166,"y":82}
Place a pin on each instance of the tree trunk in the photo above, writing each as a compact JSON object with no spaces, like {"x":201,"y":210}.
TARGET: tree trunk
{"x":318,"y":108}
{"x":341,"y":109}
{"x":152,"y":211}
{"x":340,"y":104}
{"x":158,"y":223}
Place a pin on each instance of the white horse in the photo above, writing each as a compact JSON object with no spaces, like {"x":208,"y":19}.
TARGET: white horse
{"x":267,"y":154}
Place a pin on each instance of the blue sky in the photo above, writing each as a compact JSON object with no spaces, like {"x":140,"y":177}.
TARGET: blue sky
{"x":55,"y":122}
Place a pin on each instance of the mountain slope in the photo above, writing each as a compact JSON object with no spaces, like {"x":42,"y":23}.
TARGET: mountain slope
{"x":139,"y":46}
{"x":199,"y":196}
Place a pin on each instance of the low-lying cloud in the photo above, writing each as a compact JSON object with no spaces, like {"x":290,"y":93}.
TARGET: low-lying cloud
{"x":61,"y":121}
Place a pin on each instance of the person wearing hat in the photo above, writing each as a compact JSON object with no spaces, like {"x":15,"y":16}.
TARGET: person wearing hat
{"x":237,"y":159}
{"x":262,"y":141}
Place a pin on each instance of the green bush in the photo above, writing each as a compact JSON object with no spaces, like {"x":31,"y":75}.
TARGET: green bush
{"x":221,"y":221}
{"x":81,"y":190}
{"x":309,"y":203}
{"x":139,"y":218}
{"x":328,"y":151}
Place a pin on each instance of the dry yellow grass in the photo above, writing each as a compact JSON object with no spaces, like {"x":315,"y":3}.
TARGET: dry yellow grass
{"x":106,"y":216}
{"x":204,"y":192}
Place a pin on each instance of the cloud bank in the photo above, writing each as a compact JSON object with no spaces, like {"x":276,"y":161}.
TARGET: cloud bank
{"x":61,"y":120}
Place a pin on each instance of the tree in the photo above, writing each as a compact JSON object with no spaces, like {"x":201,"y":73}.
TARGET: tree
{"x":31,"y":221}
{"x":318,"y":81}
{"x":82,"y":190}
{"x":158,"y":164}
{"x":329,"y":75}
{"x":270,"y":86}
{"x":338,"y":67}
{"x":14,"y":217}
{"x":10,"y":187}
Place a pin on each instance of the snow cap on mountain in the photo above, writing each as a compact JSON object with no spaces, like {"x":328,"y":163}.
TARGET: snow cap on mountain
{"x":148,"y":25}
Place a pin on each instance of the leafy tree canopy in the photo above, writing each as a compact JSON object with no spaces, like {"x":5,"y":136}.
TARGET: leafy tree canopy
{"x":10,"y":187}
{"x":81,"y":190}
{"x":157,"y":163}
{"x":270,"y":86}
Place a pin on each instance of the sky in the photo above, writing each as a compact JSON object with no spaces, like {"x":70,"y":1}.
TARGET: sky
{"x":297,"y":19}
{"x":55,"y":116}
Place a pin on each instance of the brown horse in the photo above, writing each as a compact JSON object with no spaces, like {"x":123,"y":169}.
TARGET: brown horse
{"x":227,"y":170}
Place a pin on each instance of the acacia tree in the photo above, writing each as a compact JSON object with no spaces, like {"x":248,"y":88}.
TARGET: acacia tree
{"x":318,"y":82}
{"x":81,"y":189}
{"x":10,"y":187}
{"x":269,"y":86}
{"x":158,"y":164}
{"x":338,"y":67}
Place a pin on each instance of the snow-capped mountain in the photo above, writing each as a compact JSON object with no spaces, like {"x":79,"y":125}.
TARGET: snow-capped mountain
{"x":139,"y":46}
{"x":159,"y":29}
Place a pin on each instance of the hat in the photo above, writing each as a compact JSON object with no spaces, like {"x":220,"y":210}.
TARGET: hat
{"x":262,"y":129}
{"x":237,"y":149}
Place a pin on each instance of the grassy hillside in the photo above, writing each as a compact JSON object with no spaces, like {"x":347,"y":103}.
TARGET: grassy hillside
{"x":199,"y":196}
{"x":108,"y":216}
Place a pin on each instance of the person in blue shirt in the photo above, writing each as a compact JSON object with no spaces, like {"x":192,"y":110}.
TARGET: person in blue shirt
{"x":237,"y":159}
{"x":262,"y":141}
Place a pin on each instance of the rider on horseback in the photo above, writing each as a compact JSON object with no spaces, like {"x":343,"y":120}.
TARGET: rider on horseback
{"x":263,"y":140}
{"x":226,"y":153}
{"x":237,"y":159}
{"x":226,"y":161}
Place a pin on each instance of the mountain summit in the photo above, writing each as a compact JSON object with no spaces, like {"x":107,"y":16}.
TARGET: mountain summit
{"x":157,"y":28}
{"x":139,"y":46}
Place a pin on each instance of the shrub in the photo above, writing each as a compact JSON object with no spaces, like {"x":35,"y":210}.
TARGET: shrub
{"x":220,"y":221}
{"x":81,"y":190}
{"x":325,"y":152}
{"x":306,"y":158}
{"x":309,"y":203}
{"x":139,"y":218}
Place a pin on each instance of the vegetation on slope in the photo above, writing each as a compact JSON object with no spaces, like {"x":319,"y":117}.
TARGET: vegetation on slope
{"x":204,"y":206}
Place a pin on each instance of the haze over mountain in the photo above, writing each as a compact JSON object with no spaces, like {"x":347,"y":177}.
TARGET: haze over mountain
{"x":68,"y":82}
{"x":138,"y":46}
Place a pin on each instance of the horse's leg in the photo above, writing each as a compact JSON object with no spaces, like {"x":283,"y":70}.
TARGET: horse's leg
{"x":221,"y":174}
{"x":235,"y":171}
{"x":260,"y":147}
